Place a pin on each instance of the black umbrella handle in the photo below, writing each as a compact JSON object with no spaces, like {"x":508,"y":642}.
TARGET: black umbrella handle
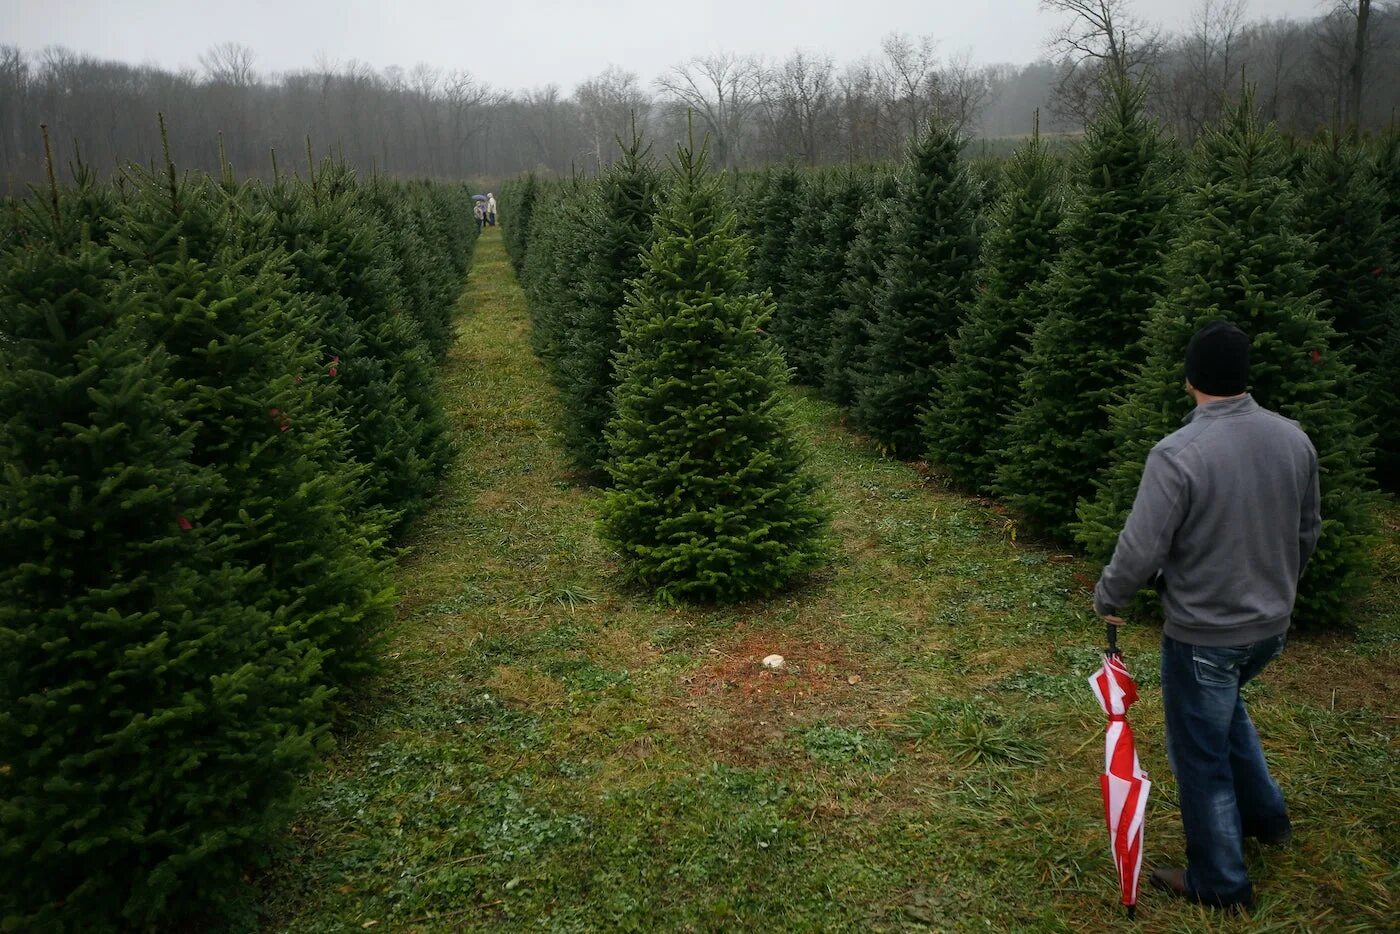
{"x":1112,"y":632}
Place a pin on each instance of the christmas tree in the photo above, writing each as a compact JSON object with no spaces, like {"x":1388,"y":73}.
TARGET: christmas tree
{"x":214,"y":289}
{"x":1097,"y":300}
{"x":711,"y":496}
{"x":776,"y":213}
{"x":968,"y":413}
{"x":422,"y":261}
{"x":153,"y":721}
{"x":621,"y":231}
{"x":929,"y":279}
{"x":861,"y":281}
{"x":1240,"y":257}
{"x":806,"y":320}
{"x":1341,"y":209}
{"x":1386,"y":424}
{"x":520,"y":197}
{"x":749,"y":191}
{"x":561,"y":238}
{"x":371,"y":347}
{"x":793,"y":323}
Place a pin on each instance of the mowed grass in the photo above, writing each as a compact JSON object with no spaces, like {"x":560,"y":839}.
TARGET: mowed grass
{"x":550,"y":750}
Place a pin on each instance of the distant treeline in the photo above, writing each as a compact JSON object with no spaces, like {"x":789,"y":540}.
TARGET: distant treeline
{"x":1339,"y":69}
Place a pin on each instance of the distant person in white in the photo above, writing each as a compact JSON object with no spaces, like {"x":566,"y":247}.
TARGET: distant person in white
{"x":491,"y":209}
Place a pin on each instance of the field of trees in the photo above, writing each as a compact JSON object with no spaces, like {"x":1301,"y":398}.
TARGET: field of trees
{"x":360,"y":569}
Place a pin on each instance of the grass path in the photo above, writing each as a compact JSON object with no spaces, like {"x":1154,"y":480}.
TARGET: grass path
{"x":547,"y":750}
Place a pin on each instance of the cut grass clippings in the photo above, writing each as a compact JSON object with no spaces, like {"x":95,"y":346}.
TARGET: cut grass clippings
{"x":548,"y":749}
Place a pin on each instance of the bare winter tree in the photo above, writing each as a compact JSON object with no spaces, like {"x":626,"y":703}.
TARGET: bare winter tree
{"x":229,"y":63}
{"x":860,"y":112}
{"x":797,"y":100}
{"x":609,"y":104}
{"x":965,"y":90}
{"x":1202,"y":69}
{"x":1361,"y":12}
{"x":722,"y":91}
{"x":908,"y":73}
{"x":1099,"y":37}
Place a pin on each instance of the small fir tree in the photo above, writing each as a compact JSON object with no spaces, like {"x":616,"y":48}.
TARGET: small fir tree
{"x":711,"y":495}
{"x":967,"y":416}
{"x":1097,"y":299}
{"x":928,"y":280}
{"x":1240,"y":257}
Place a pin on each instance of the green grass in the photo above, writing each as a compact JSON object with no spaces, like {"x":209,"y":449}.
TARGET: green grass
{"x":547,"y":749}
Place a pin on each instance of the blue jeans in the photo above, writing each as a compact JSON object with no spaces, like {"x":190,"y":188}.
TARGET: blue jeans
{"x":1224,"y":784}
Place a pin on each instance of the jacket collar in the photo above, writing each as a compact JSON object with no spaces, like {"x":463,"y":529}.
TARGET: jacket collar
{"x":1228,"y":407}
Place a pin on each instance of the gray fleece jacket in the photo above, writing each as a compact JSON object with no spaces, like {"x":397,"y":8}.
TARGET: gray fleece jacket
{"x":1228,"y":512}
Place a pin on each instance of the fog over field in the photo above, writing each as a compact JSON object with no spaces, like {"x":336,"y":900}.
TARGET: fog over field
{"x":429,"y":87}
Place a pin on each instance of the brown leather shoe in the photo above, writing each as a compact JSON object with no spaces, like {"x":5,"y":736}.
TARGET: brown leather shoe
{"x":1173,"y":881}
{"x":1170,"y":879}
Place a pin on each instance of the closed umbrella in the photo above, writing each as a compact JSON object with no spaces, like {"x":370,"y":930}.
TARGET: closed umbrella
{"x":1124,"y":783}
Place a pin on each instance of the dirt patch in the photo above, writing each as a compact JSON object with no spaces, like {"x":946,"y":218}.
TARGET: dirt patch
{"x":736,"y":677}
{"x":746,"y":711}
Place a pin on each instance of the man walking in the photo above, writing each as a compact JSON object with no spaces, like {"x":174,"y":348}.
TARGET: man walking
{"x":491,"y":209}
{"x":1225,"y":520}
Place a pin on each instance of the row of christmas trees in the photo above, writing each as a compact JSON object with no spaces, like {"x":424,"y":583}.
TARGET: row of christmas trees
{"x":217,"y":404}
{"x":1025,"y":330}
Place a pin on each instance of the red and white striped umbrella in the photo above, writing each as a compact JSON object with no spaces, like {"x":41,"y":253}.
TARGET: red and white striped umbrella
{"x":1124,"y":783}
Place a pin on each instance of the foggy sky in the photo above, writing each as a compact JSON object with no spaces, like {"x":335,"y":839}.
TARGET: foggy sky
{"x":516,"y":44}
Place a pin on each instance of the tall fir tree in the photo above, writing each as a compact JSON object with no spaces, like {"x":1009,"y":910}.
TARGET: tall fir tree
{"x":153,"y":721}
{"x":388,"y":394}
{"x":1097,"y":299}
{"x":519,"y":204}
{"x":620,"y":234}
{"x":806,"y":318}
{"x":1387,"y":420}
{"x":1240,"y":257}
{"x":749,"y":191}
{"x":792,"y":317}
{"x":967,"y":417}
{"x":214,"y":290}
{"x":561,"y":239}
{"x":929,"y":279}
{"x":777,"y":211}
{"x":861,"y":281}
{"x":712,"y":498}
{"x":1341,"y":205}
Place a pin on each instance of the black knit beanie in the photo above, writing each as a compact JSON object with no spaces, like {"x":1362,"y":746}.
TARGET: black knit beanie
{"x":1217,"y":359}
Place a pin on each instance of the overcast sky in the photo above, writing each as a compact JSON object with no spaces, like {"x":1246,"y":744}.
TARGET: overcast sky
{"x":527,"y":43}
